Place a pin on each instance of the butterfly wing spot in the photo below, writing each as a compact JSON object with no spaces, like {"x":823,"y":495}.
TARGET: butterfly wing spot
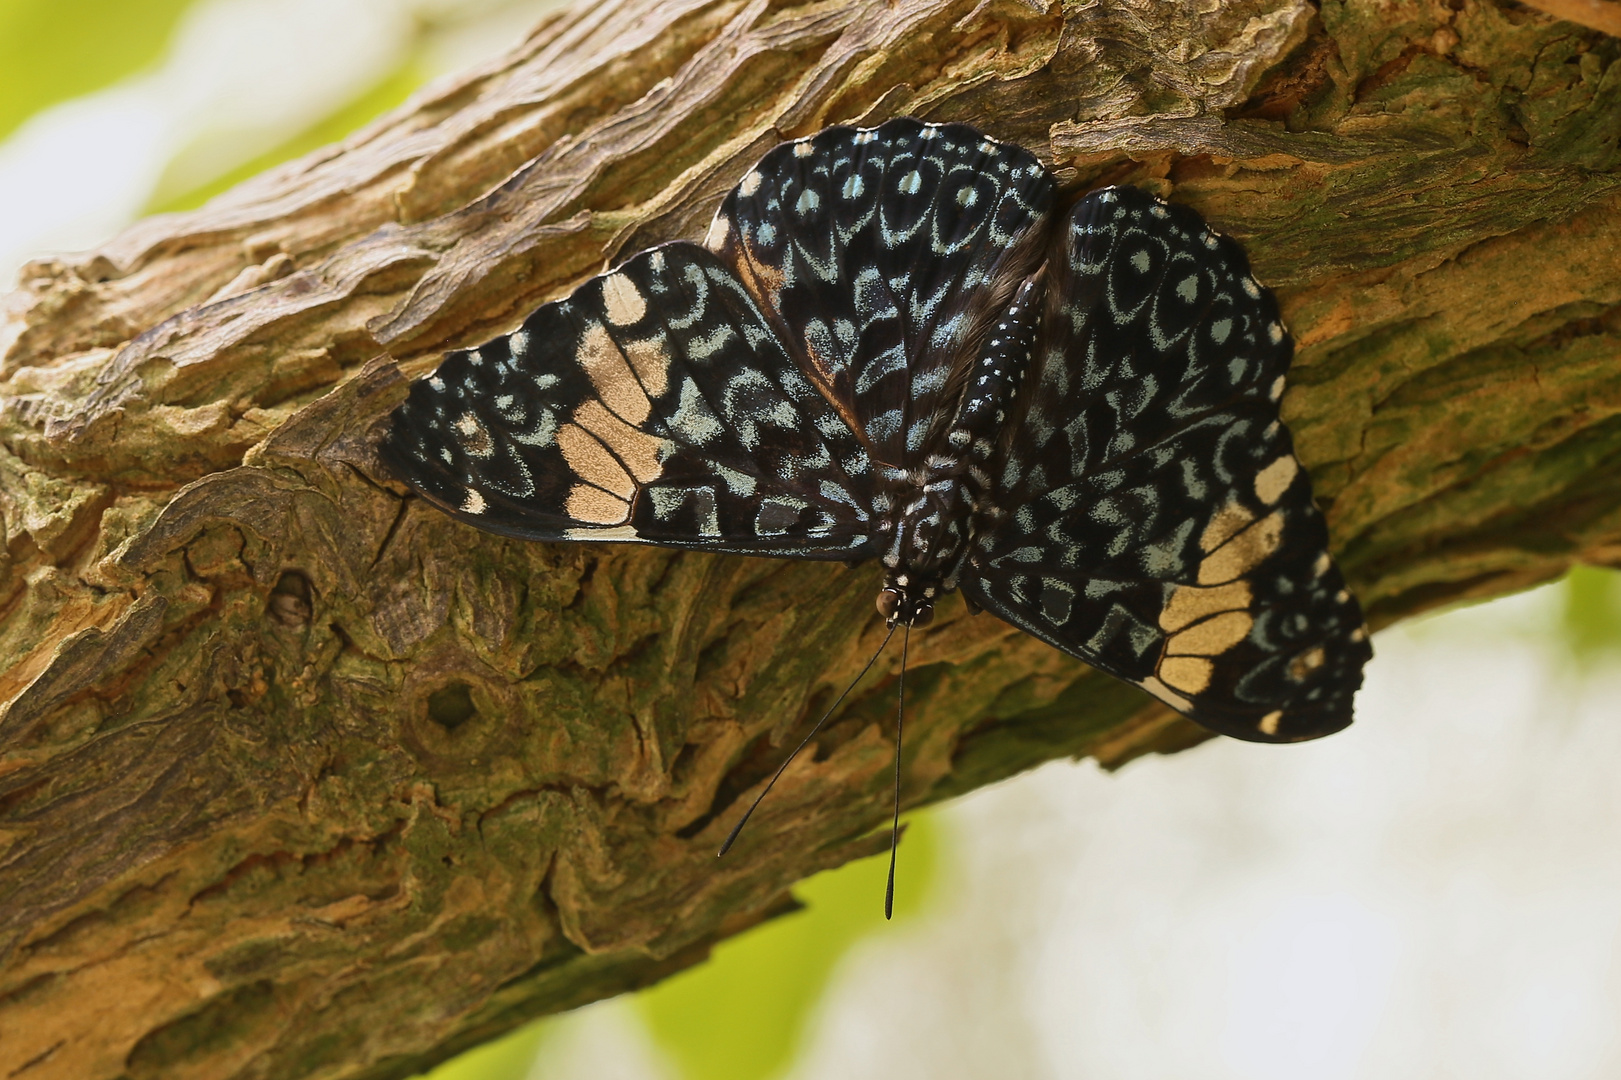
{"x":1166,"y":694}
{"x":1244,"y":552}
{"x":737,"y":483}
{"x":543,"y":432}
{"x":1224,"y":525}
{"x":1164,"y":558}
{"x":1141,"y":261}
{"x":591,"y":462}
{"x":1211,"y":637}
{"x":750,"y":183}
{"x":692,"y":420}
{"x":719,"y":228}
{"x":636,"y":449}
{"x":698,"y":501}
{"x":1189,"y":674}
{"x":604,"y":534}
{"x":651,"y":362}
{"x":1269,"y":723}
{"x":1274,"y":333}
{"x":474,"y":439}
{"x":611,"y":375}
{"x":1190,"y":603}
{"x":473,"y":503}
{"x":778,"y":514}
{"x":1276,"y":390}
{"x":587,"y":503}
{"x":1320,"y":567}
{"x":1057,"y":598}
{"x":910,"y":184}
{"x":1301,"y":667}
{"x":1188,"y":288}
{"x":622,"y":301}
{"x":1272,"y":481}
{"x":804,"y":148}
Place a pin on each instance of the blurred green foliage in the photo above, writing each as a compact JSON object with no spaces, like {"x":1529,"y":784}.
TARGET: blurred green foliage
{"x":740,"y":1016}
{"x":1591,"y":613}
{"x":382,"y":96}
{"x":53,"y":50}
{"x":510,"y":1057}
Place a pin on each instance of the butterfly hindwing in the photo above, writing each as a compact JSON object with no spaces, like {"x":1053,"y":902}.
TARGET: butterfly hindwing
{"x":1152,"y":518}
{"x":653,"y":404}
{"x":883,"y":256}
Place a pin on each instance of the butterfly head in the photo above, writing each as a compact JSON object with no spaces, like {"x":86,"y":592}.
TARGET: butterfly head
{"x":929,"y":530}
{"x":901,"y":603}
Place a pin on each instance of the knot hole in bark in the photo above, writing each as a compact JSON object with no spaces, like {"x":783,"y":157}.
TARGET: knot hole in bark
{"x":452,"y":706}
{"x":290,"y":600}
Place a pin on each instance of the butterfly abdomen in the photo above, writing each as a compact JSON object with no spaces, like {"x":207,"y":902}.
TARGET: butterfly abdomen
{"x":930,"y":530}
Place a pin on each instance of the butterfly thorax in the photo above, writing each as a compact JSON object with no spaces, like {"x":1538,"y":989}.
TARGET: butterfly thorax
{"x":930,"y":527}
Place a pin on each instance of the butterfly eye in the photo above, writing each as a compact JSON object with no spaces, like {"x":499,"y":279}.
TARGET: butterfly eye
{"x":888,"y":599}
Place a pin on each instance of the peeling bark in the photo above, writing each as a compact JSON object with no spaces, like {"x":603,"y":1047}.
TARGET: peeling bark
{"x":300,"y":778}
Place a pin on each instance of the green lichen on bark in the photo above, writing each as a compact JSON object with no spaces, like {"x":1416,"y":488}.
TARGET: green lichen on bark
{"x":300,"y":778}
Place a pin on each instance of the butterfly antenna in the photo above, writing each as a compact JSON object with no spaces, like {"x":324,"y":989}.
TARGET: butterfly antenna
{"x":732,"y":836}
{"x":895,"y":825}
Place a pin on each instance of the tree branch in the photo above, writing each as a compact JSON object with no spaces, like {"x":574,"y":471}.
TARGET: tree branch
{"x":299,"y":777}
{"x":1602,"y":15}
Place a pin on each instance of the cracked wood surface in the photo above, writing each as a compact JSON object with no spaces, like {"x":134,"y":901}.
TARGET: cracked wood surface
{"x":300,"y":778}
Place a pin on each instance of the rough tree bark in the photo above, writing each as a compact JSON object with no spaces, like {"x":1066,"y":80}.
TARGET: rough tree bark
{"x":300,"y":778}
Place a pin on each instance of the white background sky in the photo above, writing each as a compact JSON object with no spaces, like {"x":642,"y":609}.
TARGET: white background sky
{"x":1434,"y":893}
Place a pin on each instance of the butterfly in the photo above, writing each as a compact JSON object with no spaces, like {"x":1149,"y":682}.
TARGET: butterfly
{"x":895,"y":344}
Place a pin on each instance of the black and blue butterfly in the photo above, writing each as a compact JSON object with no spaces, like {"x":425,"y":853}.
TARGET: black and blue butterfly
{"x":893,"y":344}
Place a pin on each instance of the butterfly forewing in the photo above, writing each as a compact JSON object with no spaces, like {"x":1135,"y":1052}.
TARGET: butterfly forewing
{"x":1152,"y":518}
{"x":654,"y":404}
{"x":883,"y":256}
